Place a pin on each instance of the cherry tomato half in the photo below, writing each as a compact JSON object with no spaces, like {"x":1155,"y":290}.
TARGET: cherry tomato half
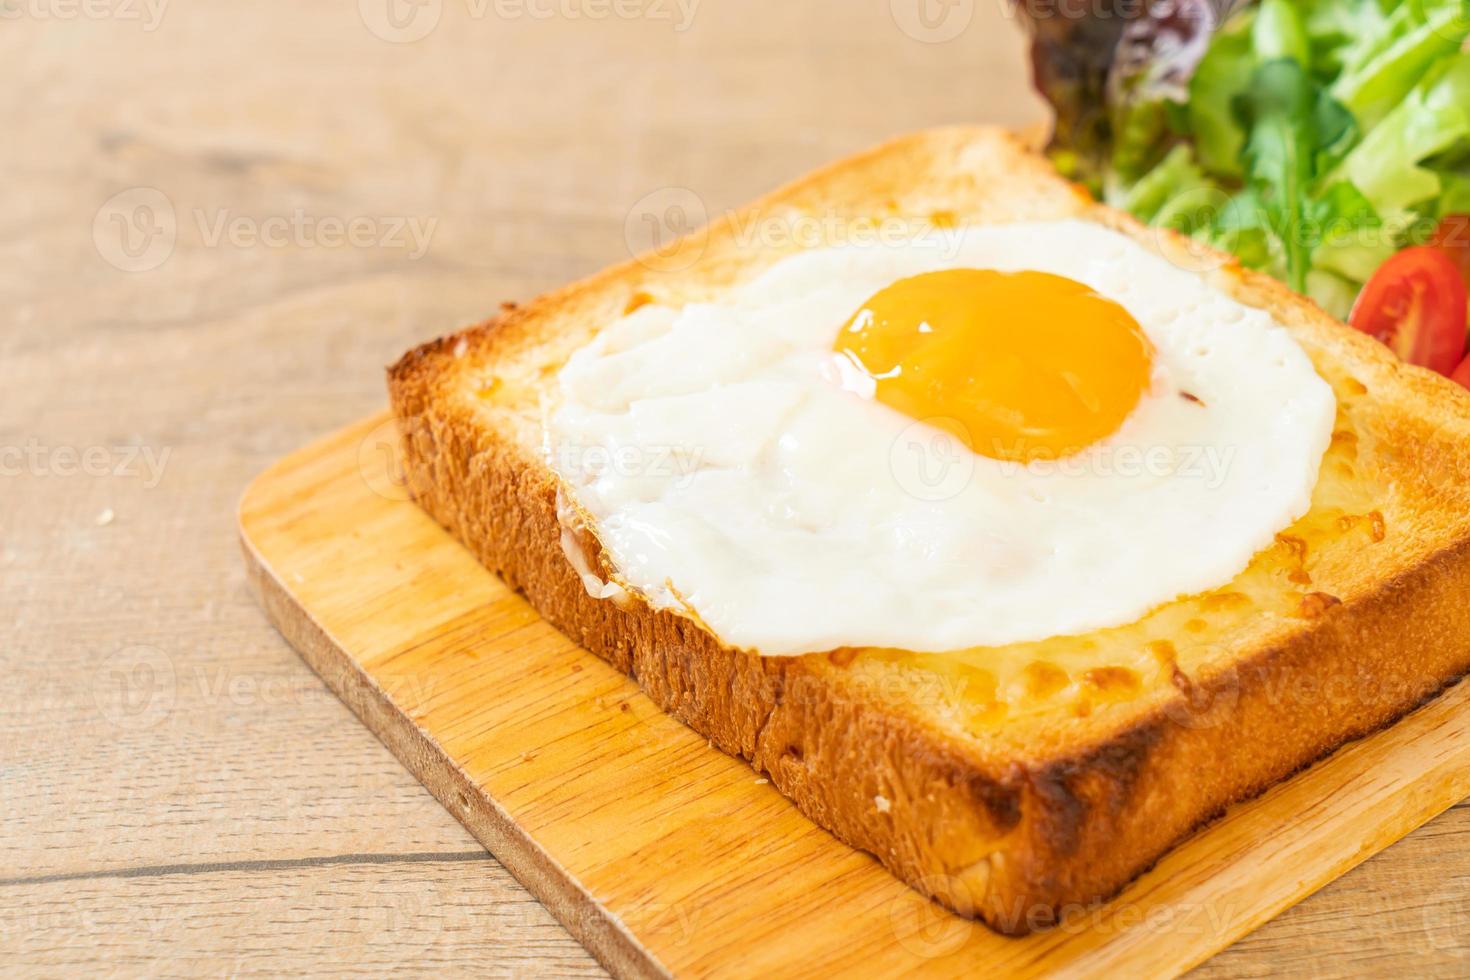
{"x":1415,"y":303}
{"x":1453,"y":238}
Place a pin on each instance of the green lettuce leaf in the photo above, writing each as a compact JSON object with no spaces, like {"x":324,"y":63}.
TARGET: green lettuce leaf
{"x":1279,"y":31}
{"x":1158,"y":52}
{"x":1386,"y":65}
{"x":1345,"y":236}
{"x":1291,"y":122}
{"x":1355,"y":260}
{"x":1150,"y":196}
{"x":1385,"y":166}
{"x":1223,"y":73}
{"x":1335,"y":27}
{"x":1240,"y":228}
{"x":1332,"y":292}
{"x":1310,"y":138}
{"x":1456,"y":196}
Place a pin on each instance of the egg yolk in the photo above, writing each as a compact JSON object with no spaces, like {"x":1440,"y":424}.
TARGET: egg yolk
{"x":1031,"y":365}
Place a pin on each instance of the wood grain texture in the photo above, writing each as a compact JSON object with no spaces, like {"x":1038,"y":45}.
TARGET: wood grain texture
{"x":665,"y":856}
{"x":150,"y":718}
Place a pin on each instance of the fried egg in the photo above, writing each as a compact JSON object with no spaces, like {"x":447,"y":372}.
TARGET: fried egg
{"x":1004,"y":434}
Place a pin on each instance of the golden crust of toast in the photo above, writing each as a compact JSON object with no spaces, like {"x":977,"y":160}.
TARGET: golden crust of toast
{"x":1008,"y":783}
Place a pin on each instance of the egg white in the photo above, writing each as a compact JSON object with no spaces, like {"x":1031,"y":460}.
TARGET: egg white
{"x":730,"y":470}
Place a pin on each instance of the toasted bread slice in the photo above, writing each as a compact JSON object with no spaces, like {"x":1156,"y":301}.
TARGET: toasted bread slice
{"x":1009,"y":782}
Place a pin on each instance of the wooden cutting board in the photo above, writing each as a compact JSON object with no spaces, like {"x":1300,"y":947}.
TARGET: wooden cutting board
{"x":663,"y":855}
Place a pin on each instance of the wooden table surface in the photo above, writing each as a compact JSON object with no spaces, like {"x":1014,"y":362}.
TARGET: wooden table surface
{"x":220,"y":221}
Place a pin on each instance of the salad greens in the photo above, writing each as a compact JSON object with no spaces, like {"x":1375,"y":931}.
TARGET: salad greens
{"x":1311,"y":138}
